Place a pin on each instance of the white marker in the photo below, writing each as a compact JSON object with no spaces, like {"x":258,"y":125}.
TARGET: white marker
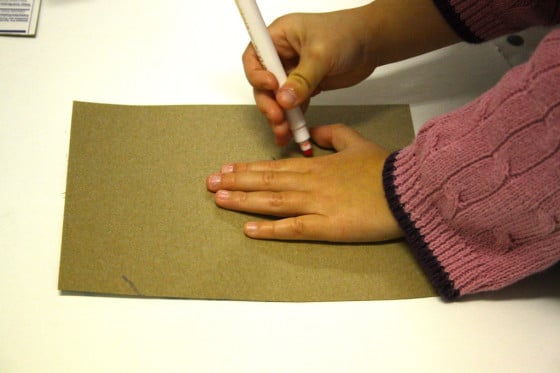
{"x":262,"y":42}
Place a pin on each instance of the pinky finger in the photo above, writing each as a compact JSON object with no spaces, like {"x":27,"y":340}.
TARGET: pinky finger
{"x":306,"y":227}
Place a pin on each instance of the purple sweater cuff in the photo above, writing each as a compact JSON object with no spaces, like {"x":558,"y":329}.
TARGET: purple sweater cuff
{"x":476,"y":21}
{"x":454,"y":20}
{"x":431,"y":266}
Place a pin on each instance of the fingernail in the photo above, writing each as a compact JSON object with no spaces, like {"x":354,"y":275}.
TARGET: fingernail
{"x":228,"y":168}
{"x":215,"y":180}
{"x":287,"y":97}
{"x":223,"y":194}
{"x":250,"y":228}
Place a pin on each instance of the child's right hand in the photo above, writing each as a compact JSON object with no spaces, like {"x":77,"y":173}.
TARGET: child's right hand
{"x":320,"y":52}
{"x":324,"y":51}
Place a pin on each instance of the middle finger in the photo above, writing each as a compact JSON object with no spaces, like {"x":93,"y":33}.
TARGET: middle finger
{"x":250,"y":181}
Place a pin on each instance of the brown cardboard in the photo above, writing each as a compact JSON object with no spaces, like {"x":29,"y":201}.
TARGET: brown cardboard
{"x":139,"y":221}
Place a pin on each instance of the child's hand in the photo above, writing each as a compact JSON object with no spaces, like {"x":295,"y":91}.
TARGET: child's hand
{"x":338,"y":197}
{"x":320,"y":52}
{"x":323,"y":51}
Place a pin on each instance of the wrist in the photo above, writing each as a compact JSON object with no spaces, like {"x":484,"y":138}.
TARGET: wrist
{"x":398,"y":30}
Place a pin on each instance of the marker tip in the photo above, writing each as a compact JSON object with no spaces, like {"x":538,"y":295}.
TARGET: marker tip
{"x":306,"y":148}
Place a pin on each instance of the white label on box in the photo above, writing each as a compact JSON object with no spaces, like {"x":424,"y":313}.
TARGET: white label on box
{"x":19,"y":17}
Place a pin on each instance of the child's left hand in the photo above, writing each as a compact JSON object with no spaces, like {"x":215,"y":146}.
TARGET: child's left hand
{"x":338,"y":197}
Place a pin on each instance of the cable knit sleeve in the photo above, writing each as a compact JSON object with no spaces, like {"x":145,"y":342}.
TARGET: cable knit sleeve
{"x":479,"y":20}
{"x":478,"y":192}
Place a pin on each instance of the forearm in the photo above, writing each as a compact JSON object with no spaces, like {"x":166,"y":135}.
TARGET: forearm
{"x":478,"y":193}
{"x":400,"y":29}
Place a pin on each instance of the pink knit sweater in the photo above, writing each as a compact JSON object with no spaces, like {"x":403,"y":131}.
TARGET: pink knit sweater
{"x":478,"y":192}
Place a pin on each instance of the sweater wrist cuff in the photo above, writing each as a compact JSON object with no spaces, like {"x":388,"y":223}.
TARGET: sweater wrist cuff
{"x":456,"y":22}
{"x":430,"y":264}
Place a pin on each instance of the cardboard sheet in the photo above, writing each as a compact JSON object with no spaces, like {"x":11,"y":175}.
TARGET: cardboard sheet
{"x":139,"y":221}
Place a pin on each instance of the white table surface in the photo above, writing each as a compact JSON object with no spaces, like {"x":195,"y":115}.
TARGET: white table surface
{"x":182,"y":52}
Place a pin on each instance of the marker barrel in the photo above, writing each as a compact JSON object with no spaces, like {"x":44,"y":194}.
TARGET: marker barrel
{"x":262,"y":42}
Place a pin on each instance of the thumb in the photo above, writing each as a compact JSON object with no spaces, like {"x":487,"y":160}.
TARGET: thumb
{"x":336,"y":136}
{"x":301,"y":82}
